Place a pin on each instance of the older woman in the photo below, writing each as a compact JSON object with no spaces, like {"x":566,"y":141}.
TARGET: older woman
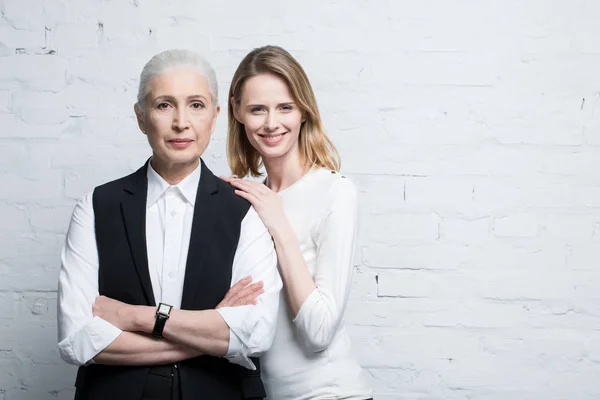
{"x":161,"y":247}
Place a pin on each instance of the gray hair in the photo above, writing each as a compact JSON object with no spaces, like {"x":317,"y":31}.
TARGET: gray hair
{"x":161,"y":62}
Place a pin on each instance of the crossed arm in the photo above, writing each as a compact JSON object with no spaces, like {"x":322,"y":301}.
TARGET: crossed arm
{"x":102,"y":330}
{"x":130,"y":348}
{"x":187,"y":334}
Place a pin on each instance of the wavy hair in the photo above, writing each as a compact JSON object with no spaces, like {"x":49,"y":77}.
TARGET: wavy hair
{"x":315,"y":147}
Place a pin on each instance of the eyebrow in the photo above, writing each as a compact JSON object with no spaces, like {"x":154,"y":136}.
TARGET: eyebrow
{"x":172,"y":98}
{"x":289,"y":103}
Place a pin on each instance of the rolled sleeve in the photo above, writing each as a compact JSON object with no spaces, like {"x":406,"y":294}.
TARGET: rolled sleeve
{"x":252,"y":327}
{"x":84,"y":344}
{"x":81,"y":336}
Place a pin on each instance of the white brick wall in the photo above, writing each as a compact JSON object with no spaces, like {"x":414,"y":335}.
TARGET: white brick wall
{"x":472,"y":129}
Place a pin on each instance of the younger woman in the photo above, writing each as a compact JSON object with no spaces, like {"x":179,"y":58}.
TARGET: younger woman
{"x":310,"y":211}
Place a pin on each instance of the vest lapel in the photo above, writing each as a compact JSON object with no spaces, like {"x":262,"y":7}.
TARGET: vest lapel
{"x":203,"y":225}
{"x":133,"y":208}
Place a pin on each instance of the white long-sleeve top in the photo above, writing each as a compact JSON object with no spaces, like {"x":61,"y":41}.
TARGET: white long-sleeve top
{"x":311,"y":357}
{"x":169,"y":215}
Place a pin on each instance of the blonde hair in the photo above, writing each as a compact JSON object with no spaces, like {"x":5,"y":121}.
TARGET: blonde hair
{"x":316,"y":149}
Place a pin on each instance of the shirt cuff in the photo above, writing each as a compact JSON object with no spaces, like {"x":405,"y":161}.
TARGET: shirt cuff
{"x":237,"y":352}
{"x":82,"y":346}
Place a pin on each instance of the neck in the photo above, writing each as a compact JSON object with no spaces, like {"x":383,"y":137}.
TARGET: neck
{"x":173,"y":173}
{"x":282,"y":172}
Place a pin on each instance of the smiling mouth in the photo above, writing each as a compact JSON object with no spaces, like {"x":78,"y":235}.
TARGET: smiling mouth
{"x":271,"y":137}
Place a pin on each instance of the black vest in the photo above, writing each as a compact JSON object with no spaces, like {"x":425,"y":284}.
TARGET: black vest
{"x":120,"y":218}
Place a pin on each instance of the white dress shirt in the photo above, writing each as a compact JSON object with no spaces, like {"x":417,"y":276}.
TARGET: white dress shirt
{"x":169,"y":216}
{"x":311,"y":357}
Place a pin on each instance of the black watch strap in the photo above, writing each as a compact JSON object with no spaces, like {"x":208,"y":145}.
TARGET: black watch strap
{"x":162,"y":315}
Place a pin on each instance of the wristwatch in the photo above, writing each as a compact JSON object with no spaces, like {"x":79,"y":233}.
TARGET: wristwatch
{"x":162,"y":315}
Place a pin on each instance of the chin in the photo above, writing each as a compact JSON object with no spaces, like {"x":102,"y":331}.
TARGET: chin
{"x":182,"y":158}
{"x":272,"y":153}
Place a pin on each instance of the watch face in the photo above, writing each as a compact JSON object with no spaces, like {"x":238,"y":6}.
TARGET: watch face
{"x":164,"y":309}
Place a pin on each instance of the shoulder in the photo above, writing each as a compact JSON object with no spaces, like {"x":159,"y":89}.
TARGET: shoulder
{"x":230,"y":200}
{"x":84,"y":209}
{"x":333,"y":186}
{"x":109,"y":190}
{"x":331,"y":193}
{"x":337,"y":202}
{"x":104,"y":194}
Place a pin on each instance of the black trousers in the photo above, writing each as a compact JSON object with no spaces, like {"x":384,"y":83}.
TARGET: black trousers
{"x":163,"y":383}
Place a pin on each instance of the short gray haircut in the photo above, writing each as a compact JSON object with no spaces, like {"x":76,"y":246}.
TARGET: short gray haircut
{"x":168,"y":59}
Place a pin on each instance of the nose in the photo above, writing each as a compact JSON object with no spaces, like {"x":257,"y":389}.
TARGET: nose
{"x":271,"y":122}
{"x":180,"y":120}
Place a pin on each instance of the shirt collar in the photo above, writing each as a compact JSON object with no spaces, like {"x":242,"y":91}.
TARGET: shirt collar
{"x":157,"y":186}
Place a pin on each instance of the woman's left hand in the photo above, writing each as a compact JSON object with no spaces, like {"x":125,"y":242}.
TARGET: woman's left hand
{"x":265,"y":201}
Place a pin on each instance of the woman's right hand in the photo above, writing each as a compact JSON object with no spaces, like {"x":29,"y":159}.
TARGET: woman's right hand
{"x":243,"y":293}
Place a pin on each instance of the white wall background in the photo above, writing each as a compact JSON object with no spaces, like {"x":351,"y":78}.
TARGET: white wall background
{"x":472,"y":129}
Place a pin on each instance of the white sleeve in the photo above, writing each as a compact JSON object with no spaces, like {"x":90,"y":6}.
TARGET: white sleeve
{"x":81,"y":336}
{"x":252,"y":327}
{"x":321,"y":313}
